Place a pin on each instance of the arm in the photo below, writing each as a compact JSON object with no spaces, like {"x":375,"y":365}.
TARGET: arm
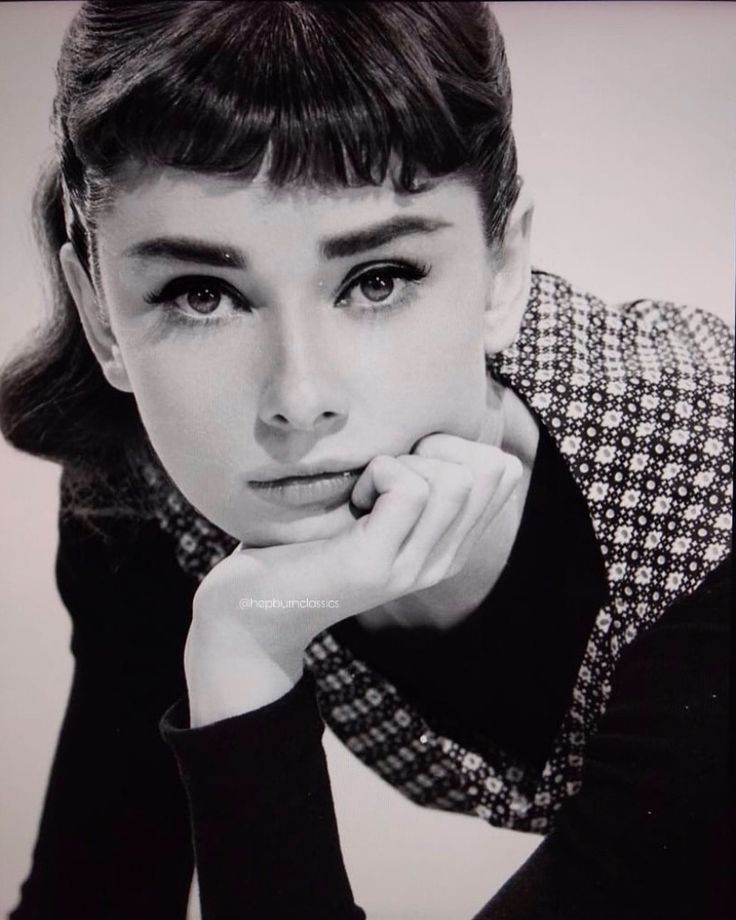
{"x":113,"y":839}
{"x":647,"y":836}
{"x":263,"y":821}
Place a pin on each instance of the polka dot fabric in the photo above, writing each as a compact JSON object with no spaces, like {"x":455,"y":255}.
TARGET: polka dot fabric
{"x":639,"y":399}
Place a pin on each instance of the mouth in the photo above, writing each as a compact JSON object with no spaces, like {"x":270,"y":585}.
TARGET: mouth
{"x":297,"y":491}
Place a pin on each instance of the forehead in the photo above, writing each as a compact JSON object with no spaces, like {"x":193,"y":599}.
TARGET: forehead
{"x":169,"y":200}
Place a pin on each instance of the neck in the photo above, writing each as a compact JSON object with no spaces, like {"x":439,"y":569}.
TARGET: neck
{"x":510,"y":425}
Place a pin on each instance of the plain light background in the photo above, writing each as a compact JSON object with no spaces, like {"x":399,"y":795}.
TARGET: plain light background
{"x":625,"y":117}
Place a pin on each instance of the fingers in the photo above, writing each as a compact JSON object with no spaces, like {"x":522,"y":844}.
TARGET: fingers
{"x":509,"y":481}
{"x":494,"y":476}
{"x":432,"y":506}
{"x":495,"y":471}
{"x":401,"y":497}
{"x":450,"y":487}
{"x":428,"y":510}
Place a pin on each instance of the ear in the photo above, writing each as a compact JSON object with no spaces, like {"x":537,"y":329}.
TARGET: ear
{"x":510,"y":282}
{"x":95,"y":323}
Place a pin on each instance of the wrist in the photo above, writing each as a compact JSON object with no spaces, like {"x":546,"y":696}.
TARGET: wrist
{"x":226,"y":678}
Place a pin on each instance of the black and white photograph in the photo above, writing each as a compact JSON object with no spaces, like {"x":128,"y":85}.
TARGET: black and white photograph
{"x":366,"y":399}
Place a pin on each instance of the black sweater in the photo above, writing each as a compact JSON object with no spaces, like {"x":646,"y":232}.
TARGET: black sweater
{"x":645,"y":837}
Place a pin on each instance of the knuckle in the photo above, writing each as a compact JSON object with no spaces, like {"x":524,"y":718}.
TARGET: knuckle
{"x":516,"y":468}
{"x":494,"y":472}
{"x":430,"y":579}
{"x":418,"y":490}
{"x":427,"y":446}
{"x":495,"y":458}
{"x":460,"y":482}
{"x":382,"y":461}
{"x":458,"y":563}
{"x":491,"y":482}
{"x":380,"y":467}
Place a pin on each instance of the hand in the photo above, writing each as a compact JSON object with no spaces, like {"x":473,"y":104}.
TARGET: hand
{"x":424,"y":513}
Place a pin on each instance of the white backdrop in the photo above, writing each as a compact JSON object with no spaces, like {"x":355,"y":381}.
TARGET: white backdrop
{"x":625,"y":115}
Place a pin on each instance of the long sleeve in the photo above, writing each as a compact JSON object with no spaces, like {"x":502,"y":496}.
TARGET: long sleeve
{"x":113,"y":839}
{"x":263,"y":822}
{"x":648,"y":835}
{"x":645,"y":838}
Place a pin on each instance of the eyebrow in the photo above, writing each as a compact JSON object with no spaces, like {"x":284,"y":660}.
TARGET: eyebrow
{"x":350,"y":244}
{"x":202,"y":252}
{"x":185,"y":249}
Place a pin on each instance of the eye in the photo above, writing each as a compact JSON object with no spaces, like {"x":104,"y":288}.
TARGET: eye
{"x":377,"y":284}
{"x":198,"y":298}
{"x":381,"y":287}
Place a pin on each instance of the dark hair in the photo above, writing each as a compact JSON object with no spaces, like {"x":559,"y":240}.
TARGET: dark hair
{"x":333,"y":92}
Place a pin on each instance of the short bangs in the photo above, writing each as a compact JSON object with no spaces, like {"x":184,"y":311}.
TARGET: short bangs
{"x":331,"y":91}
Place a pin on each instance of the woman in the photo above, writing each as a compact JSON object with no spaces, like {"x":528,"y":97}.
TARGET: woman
{"x":290,"y":238}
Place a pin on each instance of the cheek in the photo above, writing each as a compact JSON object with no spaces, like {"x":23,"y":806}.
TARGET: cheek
{"x":188,"y":411}
{"x":435,"y":376}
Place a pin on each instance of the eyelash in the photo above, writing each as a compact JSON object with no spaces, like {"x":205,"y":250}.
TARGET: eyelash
{"x":412,"y":272}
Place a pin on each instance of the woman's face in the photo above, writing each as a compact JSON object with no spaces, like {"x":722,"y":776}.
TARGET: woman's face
{"x":265,"y":329}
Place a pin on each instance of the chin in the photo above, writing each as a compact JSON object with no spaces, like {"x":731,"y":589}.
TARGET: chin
{"x":312,"y":525}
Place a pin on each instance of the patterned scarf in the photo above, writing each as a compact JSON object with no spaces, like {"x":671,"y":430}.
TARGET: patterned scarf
{"x":638,"y":398}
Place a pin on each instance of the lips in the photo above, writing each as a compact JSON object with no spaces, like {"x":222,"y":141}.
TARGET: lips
{"x":299,"y":491}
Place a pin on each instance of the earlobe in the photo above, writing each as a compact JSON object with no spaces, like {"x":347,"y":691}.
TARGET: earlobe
{"x":115,"y":372}
{"x":510,"y":277}
{"x":96,"y":327}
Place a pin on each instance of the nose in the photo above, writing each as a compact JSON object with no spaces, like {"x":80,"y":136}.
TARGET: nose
{"x":303,"y":391}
